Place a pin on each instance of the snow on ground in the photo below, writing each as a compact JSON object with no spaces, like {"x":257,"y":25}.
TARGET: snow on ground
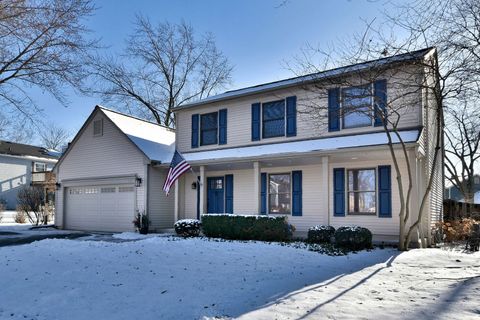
{"x":25,"y":230}
{"x":172,"y":278}
{"x":138,"y":236}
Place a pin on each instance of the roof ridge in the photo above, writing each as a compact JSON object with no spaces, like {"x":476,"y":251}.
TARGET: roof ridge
{"x":133,"y":117}
{"x":283,"y":83}
{"x":332,"y":69}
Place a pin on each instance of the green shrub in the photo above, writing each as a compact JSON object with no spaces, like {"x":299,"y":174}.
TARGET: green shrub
{"x":354,"y":238}
{"x":251,"y":227}
{"x":187,"y":227}
{"x":320,"y":234}
{"x":141,"y":222}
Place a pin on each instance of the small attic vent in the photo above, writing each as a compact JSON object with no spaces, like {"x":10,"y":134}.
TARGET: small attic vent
{"x":98,"y":128}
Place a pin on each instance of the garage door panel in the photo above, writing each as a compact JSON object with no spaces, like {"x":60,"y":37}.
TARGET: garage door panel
{"x":95,"y":208}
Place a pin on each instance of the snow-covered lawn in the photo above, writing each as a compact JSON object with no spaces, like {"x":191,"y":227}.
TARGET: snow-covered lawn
{"x":171,"y":278}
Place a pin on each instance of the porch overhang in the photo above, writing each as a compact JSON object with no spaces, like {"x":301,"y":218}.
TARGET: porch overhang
{"x":301,"y":148}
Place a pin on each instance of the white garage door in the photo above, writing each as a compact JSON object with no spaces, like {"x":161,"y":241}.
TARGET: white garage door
{"x":100,"y":208}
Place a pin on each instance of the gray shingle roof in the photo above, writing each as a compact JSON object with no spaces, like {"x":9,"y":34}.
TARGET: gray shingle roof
{"x":18,"y":149}
{"x":410,"y":56}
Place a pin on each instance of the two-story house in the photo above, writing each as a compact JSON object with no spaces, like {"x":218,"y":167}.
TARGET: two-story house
{"x":24,"y":165}
{"x":312,"y":147}
{"x":267,"y":149}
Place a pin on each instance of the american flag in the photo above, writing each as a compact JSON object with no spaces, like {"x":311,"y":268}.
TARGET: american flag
{"x":178,"y":166}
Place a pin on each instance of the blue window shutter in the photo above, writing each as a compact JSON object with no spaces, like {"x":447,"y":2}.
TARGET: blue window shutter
{"x":222,"y":126}
{"x":195,"y":121}
{"x":291,"y":116}
{"x":384,"y":192}
{"x":339,"y":192}
{"x":334,"y":109}
{"x":296,"y":193}
{"x":380,"y":92}
{"x":255,"y":121}
{"x":229,"y":193}
{"x":263,"y":193}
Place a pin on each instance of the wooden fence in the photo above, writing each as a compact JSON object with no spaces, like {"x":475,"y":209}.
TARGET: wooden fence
{"x":453,"y":210}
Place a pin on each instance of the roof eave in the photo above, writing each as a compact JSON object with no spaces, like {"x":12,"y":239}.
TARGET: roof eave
{"x":311,"y":78}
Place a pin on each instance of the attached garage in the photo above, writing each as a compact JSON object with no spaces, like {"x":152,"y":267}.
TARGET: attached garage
{"x":100,"y":207}
{"x":111,"y":171}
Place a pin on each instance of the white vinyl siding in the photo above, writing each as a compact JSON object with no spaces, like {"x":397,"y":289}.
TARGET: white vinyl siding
{"x":160,"y":207}
{"x":308,"y":125}
{"x":91,"y":157}
{"x":317,"y":197}
{"x":15,"y":172}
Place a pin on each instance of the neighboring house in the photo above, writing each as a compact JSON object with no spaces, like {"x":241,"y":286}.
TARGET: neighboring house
{"x":453,"y":193}
{"x":110,"y":171}
{"x":257,"y":151}
{"x":25,"y":165}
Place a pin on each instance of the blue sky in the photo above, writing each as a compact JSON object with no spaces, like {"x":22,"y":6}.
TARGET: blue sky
{"x":256,"y":35}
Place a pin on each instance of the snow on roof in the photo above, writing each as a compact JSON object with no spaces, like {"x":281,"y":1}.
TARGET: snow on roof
{"x":155,"y":141}
{"x":298,"y":147}
{"x":409,"y":56}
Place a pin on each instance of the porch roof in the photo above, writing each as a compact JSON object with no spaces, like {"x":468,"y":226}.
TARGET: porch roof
{"x":301,"y":147}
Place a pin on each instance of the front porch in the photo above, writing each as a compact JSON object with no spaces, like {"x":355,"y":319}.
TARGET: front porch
{"x":236,"y":187}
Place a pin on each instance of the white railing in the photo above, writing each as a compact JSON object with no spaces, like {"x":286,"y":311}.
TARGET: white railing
{"x":39,"y":176}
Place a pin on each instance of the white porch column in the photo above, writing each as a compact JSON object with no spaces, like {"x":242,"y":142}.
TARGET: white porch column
{"x":177,"y":196}
{"x":325,"y":192}
{"x":256,"y":186}
{"x":202,"y":190}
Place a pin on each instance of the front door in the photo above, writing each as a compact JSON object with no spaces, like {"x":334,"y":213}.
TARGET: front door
{"x":215,"y":195}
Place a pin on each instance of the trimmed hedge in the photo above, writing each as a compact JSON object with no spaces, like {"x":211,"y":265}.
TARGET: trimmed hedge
{"x":188,"y":227}
{"x":354,"y":238}
{"x":320,"y":234}
{"x":248,"y":227}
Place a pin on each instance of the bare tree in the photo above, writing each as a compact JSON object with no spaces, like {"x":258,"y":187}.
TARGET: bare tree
{"x":163,"y":67}
{"x":31,"y":200}
{"x":54,"y":137}
{"x":15,"y":128}
{"x":42,"y":45}
{"x":462,"y":150}
{"x":452,"y":27}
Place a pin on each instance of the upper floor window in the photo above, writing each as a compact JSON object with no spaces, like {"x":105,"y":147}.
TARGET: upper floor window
{"x":273,"y":119}
{"x":208,"y":128}
{"x":362,"y":194}
{"x":39,"y":167}
{"x":357,"y":106}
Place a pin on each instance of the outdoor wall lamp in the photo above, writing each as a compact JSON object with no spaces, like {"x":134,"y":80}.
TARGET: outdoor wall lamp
{"x":194,"y":185}
{"x":57,"y":185}
{"x":138,"y":182}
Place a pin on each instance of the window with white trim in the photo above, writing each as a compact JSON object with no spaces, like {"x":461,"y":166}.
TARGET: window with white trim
{"x":209,"y":128}
{"x":39,"y":167}
{"x":362,"y":195}
{"x":273,"y":119}
{"x":357,"y":104}
{"x":279,"y":193}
